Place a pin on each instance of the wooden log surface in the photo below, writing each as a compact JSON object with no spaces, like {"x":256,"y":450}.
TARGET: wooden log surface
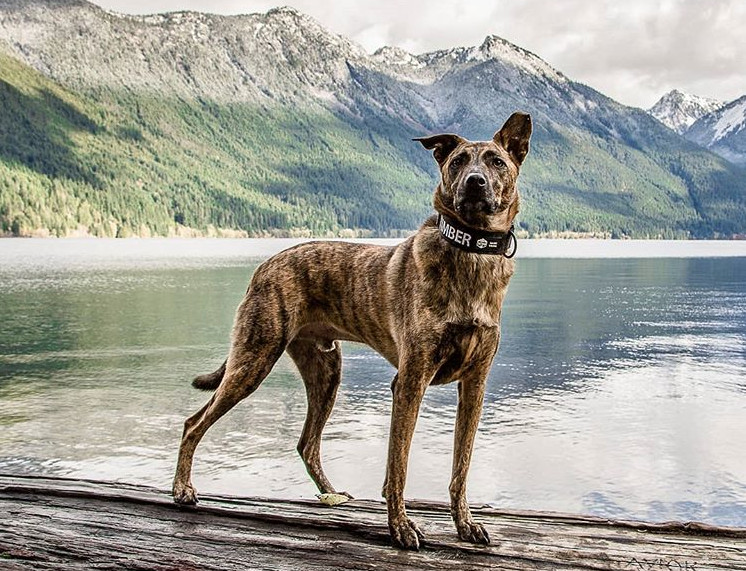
{"x":51,"y":523}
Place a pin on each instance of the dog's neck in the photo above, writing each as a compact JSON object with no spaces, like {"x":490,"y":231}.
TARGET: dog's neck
{"x":477,"y":241}
{"x":468,"y":287}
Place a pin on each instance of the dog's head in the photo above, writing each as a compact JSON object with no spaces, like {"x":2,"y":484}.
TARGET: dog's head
{"x":478,"y":179}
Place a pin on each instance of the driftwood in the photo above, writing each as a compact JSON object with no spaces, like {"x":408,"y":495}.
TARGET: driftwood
{"x":48,"y":523}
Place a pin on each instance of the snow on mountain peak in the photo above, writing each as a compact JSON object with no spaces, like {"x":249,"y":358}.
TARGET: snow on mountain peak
{"x":396,"y":56}
{"x":731,"y":120}
{"x":723,"y":131}
{"x":678,"y":110}
{"x":495,"y":47}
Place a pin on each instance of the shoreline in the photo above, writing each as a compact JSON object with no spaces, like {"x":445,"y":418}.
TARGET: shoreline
{"x":22,"y":252}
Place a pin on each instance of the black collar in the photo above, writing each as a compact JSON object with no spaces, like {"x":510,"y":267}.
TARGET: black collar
{"x":477,"y":241}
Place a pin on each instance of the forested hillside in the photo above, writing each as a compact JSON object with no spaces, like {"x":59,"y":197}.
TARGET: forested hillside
{"x":119,"y":166}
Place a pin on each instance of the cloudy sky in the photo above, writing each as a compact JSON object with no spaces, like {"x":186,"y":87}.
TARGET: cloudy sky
{"x":631,"y":50}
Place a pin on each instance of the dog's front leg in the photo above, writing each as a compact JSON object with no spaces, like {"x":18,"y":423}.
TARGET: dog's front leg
{"x":408,"y":389}
{"x":470,"y":398}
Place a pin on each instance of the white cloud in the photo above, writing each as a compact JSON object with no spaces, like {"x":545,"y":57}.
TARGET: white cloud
{"x":633,"y":50}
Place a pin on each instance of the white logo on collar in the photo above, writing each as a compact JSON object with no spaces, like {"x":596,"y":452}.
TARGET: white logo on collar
{"x":481,"y":243}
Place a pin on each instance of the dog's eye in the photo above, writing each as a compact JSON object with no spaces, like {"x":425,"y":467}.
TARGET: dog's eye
{"x":458,"y":161}
{"x":496,"y":161}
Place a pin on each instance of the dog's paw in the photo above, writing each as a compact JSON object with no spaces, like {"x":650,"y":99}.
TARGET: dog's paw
{"x":473,"y":532}
{"x":185,"y":495}
{"x":405,"y":534}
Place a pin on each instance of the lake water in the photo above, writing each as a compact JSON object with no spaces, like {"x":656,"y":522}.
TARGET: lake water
{"x":619,"y":388}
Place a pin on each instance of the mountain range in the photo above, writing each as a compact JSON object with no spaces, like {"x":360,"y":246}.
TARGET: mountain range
{"x":268,"y":124}
{"x":723,"y":131}
{"x":715,"y":125}
{"x":679,"y":110}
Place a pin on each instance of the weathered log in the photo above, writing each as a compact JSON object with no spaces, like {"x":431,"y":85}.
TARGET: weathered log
{"x":49,"y":523}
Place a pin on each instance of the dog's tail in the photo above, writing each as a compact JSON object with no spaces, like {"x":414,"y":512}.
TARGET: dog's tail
{"x":210,"y":381}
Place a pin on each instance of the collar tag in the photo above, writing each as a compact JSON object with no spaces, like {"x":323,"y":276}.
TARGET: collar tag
{"x":477,"y":241}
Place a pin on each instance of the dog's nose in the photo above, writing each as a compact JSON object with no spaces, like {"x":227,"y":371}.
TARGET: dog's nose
{"x":476,"y":181}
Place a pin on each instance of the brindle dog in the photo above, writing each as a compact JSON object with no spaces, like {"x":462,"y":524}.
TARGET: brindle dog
{"x":431,"y":309}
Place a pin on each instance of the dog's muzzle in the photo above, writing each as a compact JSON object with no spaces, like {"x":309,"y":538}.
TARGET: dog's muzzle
{"x":475,"y":198}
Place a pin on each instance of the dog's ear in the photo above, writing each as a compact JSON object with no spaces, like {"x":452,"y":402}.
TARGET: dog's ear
{"x":514,"y":136}
{"x":441,"y":145}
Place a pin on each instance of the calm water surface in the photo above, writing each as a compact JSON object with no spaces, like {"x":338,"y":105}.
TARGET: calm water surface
{"x":619,"y":388}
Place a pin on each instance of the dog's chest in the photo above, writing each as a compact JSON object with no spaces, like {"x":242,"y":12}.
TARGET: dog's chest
{"x":462,"y":347}
{"x":475,"y":296}
{"x":474,"y":306}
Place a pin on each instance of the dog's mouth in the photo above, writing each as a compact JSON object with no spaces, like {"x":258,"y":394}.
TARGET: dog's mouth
{"x":476,"y":211}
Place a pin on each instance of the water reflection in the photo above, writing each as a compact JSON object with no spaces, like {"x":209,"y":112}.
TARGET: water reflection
{"x":618,"y":389}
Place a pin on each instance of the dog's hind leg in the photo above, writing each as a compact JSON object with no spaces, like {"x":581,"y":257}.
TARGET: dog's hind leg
{"x":257,"y":344}
{"x":320,"y":365}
